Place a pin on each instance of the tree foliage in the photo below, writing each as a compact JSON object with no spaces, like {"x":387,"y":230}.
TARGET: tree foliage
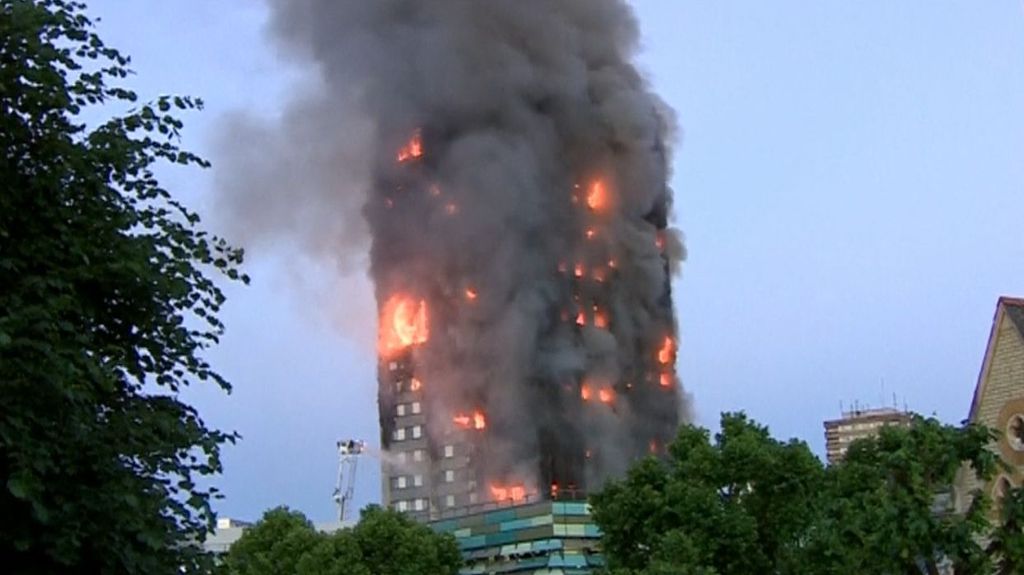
{"x":106,"y":304}
{"x":747,"y":503}
{"x":384,"y":542}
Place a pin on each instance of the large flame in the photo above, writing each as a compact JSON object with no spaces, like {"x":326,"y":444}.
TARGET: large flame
{"x":475,"y":421}
{"x":412,"y":149}
{"x":403,"y":323}
{"x":667,"y":351}
{"x":585,"y":392}
{"x":508,"y":492}
{"x":596,"y":196}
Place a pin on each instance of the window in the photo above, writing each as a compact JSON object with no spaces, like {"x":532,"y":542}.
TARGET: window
{"x":421,"y":504}
{"x":449,"y":475}
{"x":399,"y":434}
{"x":472,"y":497}
{"x":401,"y":482}
{"x":393,"y":366}
{"x":402,"y":505}
{"x":449,"y":451}
{"x":417,"y":480}
{"x":403,"y":456}
{"x":449,"y":501}
{"x":417,"y":431}
{"x":400,"y":410}
{"x":416,"y":407}
{"x":417,"y":455}
{"x":1015,"y":432}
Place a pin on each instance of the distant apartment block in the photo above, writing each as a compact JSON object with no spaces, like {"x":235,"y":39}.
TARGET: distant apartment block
{"x":858,"y":424}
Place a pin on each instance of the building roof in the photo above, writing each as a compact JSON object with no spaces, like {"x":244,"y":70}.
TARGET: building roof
{"x":1015,"y":311}
{"x":1008,"y":308}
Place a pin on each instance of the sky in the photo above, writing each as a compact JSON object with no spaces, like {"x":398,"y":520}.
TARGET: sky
{"x":849,"y":177}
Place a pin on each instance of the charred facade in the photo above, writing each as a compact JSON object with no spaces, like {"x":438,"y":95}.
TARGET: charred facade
{"x":477,"y":405}
{"x":512,"y":166}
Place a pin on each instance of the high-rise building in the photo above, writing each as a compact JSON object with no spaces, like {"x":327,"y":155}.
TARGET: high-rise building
{"x":498,"y":391}
{"x":859,"y":424}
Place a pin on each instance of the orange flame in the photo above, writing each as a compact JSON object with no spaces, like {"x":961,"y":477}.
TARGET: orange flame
{"x":596,"y":196}
{"x":554,"y":490}
{"x":667,"y":351}
{"x":471,"y":294}
{"x":666,"y":380}
{"x":579,"y":270}
{"x":412,"y":149}
{"x":659,"y":240}
{"x":475,"y":421}
{"x":599,"y":274}
{"x":591,"y":233}
{"x":415,"y":384}
{"x":403,"y":324}
{"x":611,"y":263}
{"x":389,"y":203}
{"x":581,"y":319}
{"x":606,"y":395}
{"x":653,"y":446}
{"x":585,"y":392}
{"x":509,"y":493}
{"x":600,"y":320}
{"x":451,"y":208}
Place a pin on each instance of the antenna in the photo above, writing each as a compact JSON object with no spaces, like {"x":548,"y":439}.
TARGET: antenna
{"x":349,"y":451}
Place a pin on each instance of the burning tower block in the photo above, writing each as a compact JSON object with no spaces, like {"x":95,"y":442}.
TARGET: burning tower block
{"x":515,"y":375}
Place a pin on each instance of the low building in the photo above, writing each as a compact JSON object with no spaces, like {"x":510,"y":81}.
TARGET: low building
{"x":999,"y":401}
{"x":858,"y":424}
{"x":542,"y":538}
{"x":228,"y":531}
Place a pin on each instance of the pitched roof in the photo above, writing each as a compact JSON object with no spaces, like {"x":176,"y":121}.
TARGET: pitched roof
{"x":1007,"y":308}
{"x":1015,"y":311}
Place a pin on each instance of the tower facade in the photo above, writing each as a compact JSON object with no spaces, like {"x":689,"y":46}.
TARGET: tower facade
{"x":498,"y":389}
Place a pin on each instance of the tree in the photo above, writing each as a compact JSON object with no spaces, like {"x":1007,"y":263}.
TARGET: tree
{"x":733,"y":506}
{"x":384,"y":542}
{"x":750,"y":504}
{"x":106,"y":306}
{"x":884,"y":507}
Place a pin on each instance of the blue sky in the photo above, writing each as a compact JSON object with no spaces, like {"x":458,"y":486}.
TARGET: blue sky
{"x":849,"y":177}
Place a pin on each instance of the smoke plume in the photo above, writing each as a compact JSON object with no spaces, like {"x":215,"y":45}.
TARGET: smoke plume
{"x":506,"y":165}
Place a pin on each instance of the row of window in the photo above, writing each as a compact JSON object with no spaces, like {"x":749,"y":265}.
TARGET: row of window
{"x":417,"y":455}
{"x":401,"y":433}
{"x":416,"y":480}
{"x":421,"y":504}
{"x":413,"y":408}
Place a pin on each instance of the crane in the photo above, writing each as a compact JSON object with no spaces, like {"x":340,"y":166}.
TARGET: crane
{"x":349,"y":451}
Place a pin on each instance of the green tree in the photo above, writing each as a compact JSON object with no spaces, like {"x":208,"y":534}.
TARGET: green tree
{"x":888,"y":508}
{"x":737,"y":505}
{"x":273,"y":545}
{"x":384,"y":542}
{"x":105,"y":308}
{"x":750,"y":504}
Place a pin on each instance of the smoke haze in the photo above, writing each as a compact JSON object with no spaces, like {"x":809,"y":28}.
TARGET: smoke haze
{"x":505,"y":164}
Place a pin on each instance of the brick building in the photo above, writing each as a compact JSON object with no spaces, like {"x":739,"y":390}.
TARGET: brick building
{"x":858,"y":424}
{"x":999,"y":400}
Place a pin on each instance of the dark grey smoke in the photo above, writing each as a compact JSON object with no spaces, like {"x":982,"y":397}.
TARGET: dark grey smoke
{"x":521,"y":105}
